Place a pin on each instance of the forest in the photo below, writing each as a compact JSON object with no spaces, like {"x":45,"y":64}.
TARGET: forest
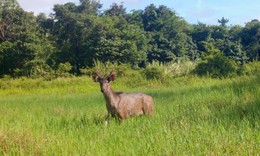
{"x":75,"y":36}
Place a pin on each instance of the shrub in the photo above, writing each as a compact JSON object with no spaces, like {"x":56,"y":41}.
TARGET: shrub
{"x":250,"y":68}
{"x":155,"y":70}
{"x":217,"y":66}
{"x":35,"y":69}
{"x":153,"y":73}
{"x":122,"y":70}
{"x":63,"y":70}
{"x":179,"y":68}
{"x":158,"y":70}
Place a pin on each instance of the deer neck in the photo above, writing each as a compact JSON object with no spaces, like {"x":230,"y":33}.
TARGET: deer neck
{"x":110,"y":97}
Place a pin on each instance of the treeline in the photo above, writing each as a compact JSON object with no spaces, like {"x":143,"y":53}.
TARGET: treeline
{"x":71,"y":38}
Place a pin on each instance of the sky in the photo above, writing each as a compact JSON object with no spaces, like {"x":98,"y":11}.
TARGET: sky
{"x":193,"y":11}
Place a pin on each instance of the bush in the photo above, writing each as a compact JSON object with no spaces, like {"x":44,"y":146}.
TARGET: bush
{"x":153,"y":73}
{"x":155,"y":70}
{"x":122,"y":70}
{"x":35,"y":69}
{"x":250,"y":68}
{"x":159,"y":70}
{"x":180,"y":68}
{"x":216,"y":67}
{"x":63,"y":70}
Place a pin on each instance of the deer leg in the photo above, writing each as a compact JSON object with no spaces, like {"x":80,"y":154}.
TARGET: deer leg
{"x":107,"y":119}
{"x":148,"y":109}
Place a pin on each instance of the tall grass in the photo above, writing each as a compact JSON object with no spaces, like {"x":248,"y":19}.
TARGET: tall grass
{"x":193,"y":116}
{"x":173,"y":69}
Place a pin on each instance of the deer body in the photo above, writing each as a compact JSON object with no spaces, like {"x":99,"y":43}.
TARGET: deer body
{"x":124,"y":105}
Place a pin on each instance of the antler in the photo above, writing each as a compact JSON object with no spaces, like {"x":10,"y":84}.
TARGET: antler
{"x":97,"y":76}
{"x":98,"y":73}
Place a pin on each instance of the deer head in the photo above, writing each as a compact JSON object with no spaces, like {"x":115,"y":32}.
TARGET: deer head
{"x":104,"y":82}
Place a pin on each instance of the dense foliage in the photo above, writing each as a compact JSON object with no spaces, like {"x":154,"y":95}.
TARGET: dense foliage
{"x":75,"y":35}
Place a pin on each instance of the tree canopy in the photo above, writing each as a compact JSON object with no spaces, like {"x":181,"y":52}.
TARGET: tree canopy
{"x":77,"y":34}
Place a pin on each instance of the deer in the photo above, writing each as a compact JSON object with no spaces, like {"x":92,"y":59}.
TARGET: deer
{"x":123,"y":105}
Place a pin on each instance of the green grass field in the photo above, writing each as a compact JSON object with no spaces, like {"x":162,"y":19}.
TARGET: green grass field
{"x":193,"y":116}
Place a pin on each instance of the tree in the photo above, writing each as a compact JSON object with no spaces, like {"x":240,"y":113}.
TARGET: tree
{"x":8,"y":4}
{"x":21,"y":43}
{"x":46,"y":24}
{"x":168,"y":34}
{"x":116,"y":10}
{"x":200,"y":34}
{"x":234,"y":51}
{"x":235,"y":33}
{"x":117,"y":41}
{"x":8,"y":21}
{"x":223,"y":22}
{"x":89,"y":7}
{"x":219,"y":32}
{"x":250,"y":38}
{"x":150,"y":17}
{"x":135,"y":18}
{"x":210,"y":50}
{"x":72,"y":24}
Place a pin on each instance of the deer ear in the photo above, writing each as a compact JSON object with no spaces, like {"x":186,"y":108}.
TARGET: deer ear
{"x":96,"y":77}
{"x":113,"y":77}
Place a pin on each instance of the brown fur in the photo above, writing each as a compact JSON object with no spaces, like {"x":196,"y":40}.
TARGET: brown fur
{"x":123,"y":105}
